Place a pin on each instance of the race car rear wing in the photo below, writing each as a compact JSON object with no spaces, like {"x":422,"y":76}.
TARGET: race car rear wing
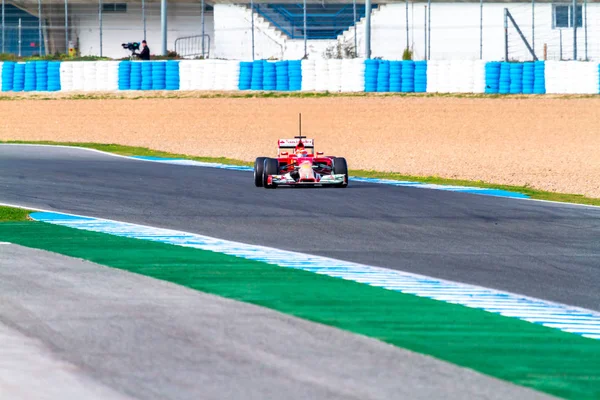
{"x":292,"y":143}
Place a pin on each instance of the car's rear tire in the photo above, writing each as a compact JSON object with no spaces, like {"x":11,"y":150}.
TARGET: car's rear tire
{"x":259,"y":166}
{"x":271,"y":167}
{"x":340,"y":167}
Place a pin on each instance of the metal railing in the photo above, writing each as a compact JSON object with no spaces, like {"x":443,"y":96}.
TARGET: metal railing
{"x":193,"y":46}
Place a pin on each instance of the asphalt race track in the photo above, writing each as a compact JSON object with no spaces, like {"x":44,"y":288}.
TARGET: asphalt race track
{"x":544,"y":250}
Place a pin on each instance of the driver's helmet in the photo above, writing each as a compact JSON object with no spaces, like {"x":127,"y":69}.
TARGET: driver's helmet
{"x":301,"y":150}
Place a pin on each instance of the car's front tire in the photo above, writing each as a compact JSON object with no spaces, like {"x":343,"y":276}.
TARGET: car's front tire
{"x":271,"y":167}
{"x":340,"y":167}
{"x":259,"y":166}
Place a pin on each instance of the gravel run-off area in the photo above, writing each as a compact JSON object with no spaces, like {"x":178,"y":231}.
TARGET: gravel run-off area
{"x":543,"y":142}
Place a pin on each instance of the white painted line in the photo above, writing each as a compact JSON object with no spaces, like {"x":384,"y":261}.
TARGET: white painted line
{"x":497,"y":302}
{"x":5,"y":243}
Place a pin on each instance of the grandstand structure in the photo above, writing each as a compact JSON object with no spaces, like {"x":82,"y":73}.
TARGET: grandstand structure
{"x":283,"y":29}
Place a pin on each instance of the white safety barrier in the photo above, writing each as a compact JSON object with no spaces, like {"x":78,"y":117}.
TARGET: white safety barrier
{"x":309,"y":76}
{"x":185,"y":75}
{"x":89,"y":76}
{"x":334,"y":72}
{"x":478,"y":72}
{"x":321,"y":75}
{"x":571,"y":77}
{"x":66,"y":76}
{"x":353,"y":75}
{"x":112,"y":76}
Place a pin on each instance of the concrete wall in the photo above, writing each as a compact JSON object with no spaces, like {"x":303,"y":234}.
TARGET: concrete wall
{"x":183,"y":20}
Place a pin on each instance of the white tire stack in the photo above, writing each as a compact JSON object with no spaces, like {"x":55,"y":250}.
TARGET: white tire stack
{"x":66,"y":76}
{"x":101,"y":76}
{"x":478,"y":72}
{"x":553,"y":77}
{"x":232,"y":80}
{"x":321,"y":75}
{"x":208,"y":75}
{"x":112,"y":75}
{"x":433,"y":76}
{"x":308,"y":76}
{"x":89,"y":76}
{"x":334,"y":72}
{"x":197,"y":71}
{"x":185,"y":74}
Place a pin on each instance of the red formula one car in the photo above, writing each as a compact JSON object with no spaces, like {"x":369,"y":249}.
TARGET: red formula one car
{"x":298,"y":165}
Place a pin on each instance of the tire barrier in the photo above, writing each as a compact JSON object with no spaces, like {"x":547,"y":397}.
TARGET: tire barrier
{"x":159,"y":75}
{"x":8,"y":76}
{"x":257,"y":75}
{"x":516,"y":78}
{"x":420,"y":84}
{"x":371,"y":72}
{"x":282,"y":76}
{"x":135,"y":78}
{"x":54,"y":76}
{"x":294,"y":73}
{"x":333,"y":75}
{"x":528,"y":77}
{"x":245,"y":76}
{"x":41,"y":76}
{"x":146,"y":83}
{"x":492,"y":77}
{"x":408,"y":76}
{"x":383,"y":76}
{"x":19,"y":77}
{"x":29,"y":82}
{"x":309,"y":75}
{"x":125,"y":75}
{"x":504,"y":85}
{"x":172,"y":75}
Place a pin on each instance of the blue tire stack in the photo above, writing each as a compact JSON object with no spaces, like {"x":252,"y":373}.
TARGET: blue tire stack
{"x":19,"y":77}
{"x":420,"y":76}
{"x":159,"y":75}
{"x":257,"y":75}
{"x":528,"y":77}
{"x":408,"y":76}
{"x":41,"y":76}
{"x":8,"y":76}
{"x":54,"y":76}
{"x":539,"y":77}
{"x":295,"y":74}
{"x":135,"y":80}
{"x":146,"y":75}
{"x":504,"y":85}
{"x":516,"y":78}
{"x":269,"y":76}
{"x":395,"y":76}
{"x":492,"y":77}
{"x":172,"y":75}
{"x":282,"y":74}
{"x":125,"y":75}
{"x":371,"y":67}
{"x":29,"y":84}
{"x":245,"y":76}
{"x":383,"y":76}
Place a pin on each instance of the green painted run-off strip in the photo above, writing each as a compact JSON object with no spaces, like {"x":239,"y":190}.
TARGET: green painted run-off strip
{"x":530,"y":355}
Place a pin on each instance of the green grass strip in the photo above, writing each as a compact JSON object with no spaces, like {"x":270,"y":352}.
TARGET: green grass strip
{"x":13,"y":214}
{"x":143,"y":151}
{"x":541,"y":358}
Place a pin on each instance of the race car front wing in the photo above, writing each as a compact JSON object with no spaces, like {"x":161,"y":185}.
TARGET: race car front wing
{"x":324,"y":181}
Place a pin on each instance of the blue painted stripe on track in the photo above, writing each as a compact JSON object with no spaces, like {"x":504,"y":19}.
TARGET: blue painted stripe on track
{"x":421,"y":185}
{"x":552,"y":315}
